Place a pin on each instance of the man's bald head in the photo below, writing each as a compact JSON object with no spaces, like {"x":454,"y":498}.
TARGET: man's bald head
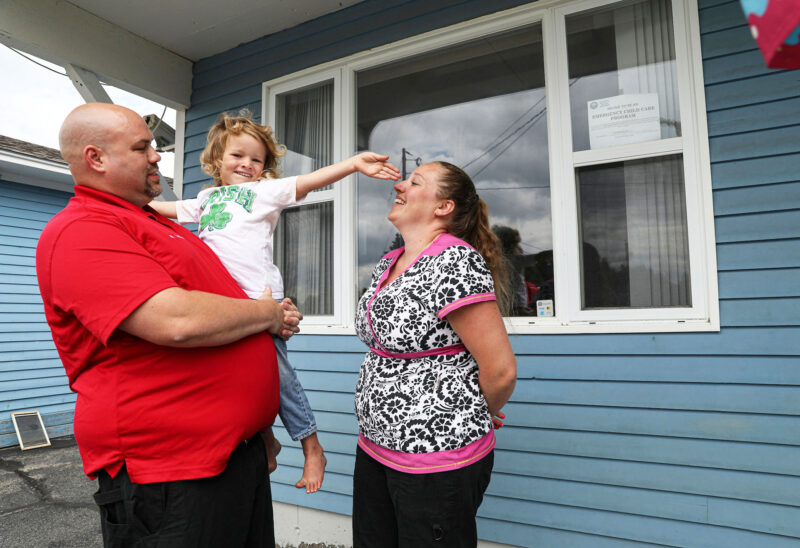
{"x":108,"y":147}
{"x":90,"y":124}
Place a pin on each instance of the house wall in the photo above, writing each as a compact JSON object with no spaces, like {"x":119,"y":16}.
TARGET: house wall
{"x":31,"y":374}
{"x":684,"y":439}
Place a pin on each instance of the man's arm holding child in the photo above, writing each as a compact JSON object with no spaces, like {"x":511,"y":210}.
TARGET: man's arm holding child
{"x":368,"y":163}
{"x":180,"y":318}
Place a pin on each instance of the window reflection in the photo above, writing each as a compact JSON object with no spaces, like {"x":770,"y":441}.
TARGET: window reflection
{"x":635,"y":250}
{"x":623,"y":55}
{"x":480,"y":106}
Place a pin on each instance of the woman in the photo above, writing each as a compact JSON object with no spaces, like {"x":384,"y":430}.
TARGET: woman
{"x":439,"y":369}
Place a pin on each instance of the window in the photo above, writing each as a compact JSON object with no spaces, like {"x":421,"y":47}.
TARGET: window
{"x":582,"y":126}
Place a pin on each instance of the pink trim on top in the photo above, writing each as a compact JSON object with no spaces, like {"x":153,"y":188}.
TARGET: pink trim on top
{"x":442,"y":242}
{"x":445,"y":351}
{"x":470,"y":299}
{"x":428,"y":463}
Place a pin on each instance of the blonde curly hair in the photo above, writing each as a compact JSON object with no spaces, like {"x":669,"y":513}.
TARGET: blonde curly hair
{"x":227,"y":125}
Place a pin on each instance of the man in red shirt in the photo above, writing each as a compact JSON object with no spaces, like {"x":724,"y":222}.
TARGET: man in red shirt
{"x":173,"y":365}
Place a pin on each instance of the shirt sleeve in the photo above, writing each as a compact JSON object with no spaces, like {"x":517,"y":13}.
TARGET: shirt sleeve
{"x":463,"y":279}
{"x":188,"y":211}
{"x":94,"y":258}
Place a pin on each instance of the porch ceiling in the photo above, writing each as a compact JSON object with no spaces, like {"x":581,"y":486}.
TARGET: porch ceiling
{"x":147,"y":47}
{"x":195,"y":30}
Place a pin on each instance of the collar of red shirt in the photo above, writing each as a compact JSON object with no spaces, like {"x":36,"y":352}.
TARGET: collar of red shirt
{"x":87,"y":195}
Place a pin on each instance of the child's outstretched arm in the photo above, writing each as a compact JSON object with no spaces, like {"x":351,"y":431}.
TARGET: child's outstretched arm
{"x":167,"y":209}
{"x":368,"y":163}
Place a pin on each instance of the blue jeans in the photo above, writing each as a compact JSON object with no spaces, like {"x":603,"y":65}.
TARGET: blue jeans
{"x":294,"y":409}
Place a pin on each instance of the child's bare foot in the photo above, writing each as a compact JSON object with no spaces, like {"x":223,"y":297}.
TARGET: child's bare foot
{"x":273,"y":447}
{"x":314,"y":467}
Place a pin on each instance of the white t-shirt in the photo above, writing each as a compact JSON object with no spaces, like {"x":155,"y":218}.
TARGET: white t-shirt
{"x":237,"y":221}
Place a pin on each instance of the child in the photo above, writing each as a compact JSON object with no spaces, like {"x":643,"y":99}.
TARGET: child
{"x":236,"y":218}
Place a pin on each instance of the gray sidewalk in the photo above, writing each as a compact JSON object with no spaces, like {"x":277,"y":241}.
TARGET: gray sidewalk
{"x":45,"y":498}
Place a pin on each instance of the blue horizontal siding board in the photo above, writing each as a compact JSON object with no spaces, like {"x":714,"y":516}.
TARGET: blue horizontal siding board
{"x":771,"y":87}
{"x":759,"y":283}
{"x":36,"y":195}
{"x":736,"y":66}
{"x":777,"y":197}
{"x":330,"y":401}
{"x":728,"y":41}
{"x":762,"y":312}
{"x":28,"y":294}
{"x":642,"y":502}
{"x":10,"y":251}
{"x":6,"y":268}
{"x":20,"y":356}
{"x":22,"y":317}
{"x":747,"y":119}
{"x":339,"y":423}
{"x":754,"y":255}
{"x":32,"y":374}
{"x":754,"y":516}
{"x":58,"y":380}
{"x":328,"y":381}
{"x":522,"y":534}
{"x":26,"y":260}
{"x":18,"y":219}
{"x":775,"y":370}
{"x":21,"y":308}
{"x":708,"y":397}
{"x":47,"y":397}
{"x":652,"y":448}
{"x":31,"y":208}
{"x":31,"y":365}
{"x":746,"y":486}
{"x":768,"y":429}
{"x":721,"y":17}
{"x":758,"y":226}
{"x":627,"y":526}
{"x":785,"y":140}
{"x":205,"y":112}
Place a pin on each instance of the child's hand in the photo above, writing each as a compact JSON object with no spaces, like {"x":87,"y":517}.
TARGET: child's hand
{"x":289,"y":311}
{"x":375,"y":165}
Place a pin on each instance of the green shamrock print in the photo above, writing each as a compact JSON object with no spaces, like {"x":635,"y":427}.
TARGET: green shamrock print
{"x":216,"y":218}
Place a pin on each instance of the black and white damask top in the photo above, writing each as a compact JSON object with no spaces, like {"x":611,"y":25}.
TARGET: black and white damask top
{"x":417,"y":391}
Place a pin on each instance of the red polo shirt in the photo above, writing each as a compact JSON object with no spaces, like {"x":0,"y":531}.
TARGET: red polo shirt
{"x":167,"y":413}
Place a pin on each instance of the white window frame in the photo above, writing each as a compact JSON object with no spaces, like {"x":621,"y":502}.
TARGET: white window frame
{"x":703,"y":315}
{"x":341,"y":194}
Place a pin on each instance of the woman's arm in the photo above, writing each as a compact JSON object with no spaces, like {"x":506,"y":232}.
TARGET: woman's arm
{"x":167,"y":209}
{"x":368,"y":163}
{"x":482,"y":331}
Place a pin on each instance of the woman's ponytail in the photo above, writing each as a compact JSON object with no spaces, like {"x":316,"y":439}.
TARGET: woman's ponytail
{"x":470,"y":222}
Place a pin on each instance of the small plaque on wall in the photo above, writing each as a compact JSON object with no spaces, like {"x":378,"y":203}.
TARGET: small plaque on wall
{"x":31,"y":432}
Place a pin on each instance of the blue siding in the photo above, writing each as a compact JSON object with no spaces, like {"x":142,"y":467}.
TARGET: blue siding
{"x":31,"y":374}
{"x":684,"y":439}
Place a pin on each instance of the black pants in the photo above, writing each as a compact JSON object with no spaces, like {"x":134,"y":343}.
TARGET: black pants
{"x":232,"y":509}
{"x":392,"y":509}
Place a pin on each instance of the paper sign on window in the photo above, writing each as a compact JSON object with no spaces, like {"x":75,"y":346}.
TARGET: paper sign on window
{"x":624,"y":119}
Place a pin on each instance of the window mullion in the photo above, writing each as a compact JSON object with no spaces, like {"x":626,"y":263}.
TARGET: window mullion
{"x":564,"y":199}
